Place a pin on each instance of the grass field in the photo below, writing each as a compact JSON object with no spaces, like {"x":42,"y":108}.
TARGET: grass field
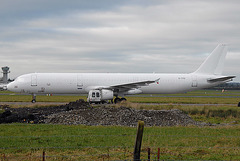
{"x":225,"y":98}
{"x":62,"y":142}
{"x":78,"y":142}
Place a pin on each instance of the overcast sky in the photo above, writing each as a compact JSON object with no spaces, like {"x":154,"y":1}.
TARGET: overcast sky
{"x":117,"y":35}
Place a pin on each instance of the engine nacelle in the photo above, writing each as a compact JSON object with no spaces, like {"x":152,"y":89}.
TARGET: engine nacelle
{"x":97,"y":96}
{"x":107,"y":94}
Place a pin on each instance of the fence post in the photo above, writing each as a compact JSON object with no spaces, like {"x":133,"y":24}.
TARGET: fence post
{"x":43,"y":156}
{"x":4,"y":157}
{"x":158,"y":156}
{"x":149,"y":154}
{"x":138,"y":142}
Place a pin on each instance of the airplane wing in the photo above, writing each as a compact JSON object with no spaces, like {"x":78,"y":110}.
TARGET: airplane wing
{"x":129,"y":86}
{"x":221,"y":79}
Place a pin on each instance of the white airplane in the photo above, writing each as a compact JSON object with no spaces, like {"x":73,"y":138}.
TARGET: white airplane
{"x":102,"y":87}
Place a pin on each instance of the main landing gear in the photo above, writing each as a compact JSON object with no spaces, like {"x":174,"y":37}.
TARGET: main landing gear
{"x":118,"y":100}
{"x":34,"y":98}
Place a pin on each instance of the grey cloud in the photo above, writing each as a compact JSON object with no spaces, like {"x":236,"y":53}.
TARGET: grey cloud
{"x":114,"y":36}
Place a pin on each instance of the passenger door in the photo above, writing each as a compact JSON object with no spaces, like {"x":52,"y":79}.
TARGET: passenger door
{"x":79,"y":82}
{"x":194,"y":81}
{"x":34,"y":80}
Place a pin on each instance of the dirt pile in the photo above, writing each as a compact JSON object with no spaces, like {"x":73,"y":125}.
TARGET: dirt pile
{"x":37,"y":115}
{"x":80,"y":112}
{"x":122,"y":116}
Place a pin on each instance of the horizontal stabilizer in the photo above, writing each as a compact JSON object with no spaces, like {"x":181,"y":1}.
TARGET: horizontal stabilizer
{"x":221,"y":79}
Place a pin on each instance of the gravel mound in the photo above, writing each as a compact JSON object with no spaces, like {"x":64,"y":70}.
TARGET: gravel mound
{"x":80,"y":112}
{"x":122,"y":116}
{"x":37,"y":115}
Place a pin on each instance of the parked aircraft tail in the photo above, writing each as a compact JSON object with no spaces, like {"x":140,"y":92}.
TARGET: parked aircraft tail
{"x":214,"y":63}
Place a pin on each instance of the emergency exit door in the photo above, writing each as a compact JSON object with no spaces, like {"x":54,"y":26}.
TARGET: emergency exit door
{"x":79,"y":82}
{"x":34,"y":80}
{"x":194,"y":81}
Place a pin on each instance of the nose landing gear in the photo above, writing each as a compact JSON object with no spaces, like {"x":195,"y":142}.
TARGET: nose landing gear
{"x":34,"y":98}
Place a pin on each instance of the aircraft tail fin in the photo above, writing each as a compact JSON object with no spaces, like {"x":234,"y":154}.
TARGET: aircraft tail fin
{"x":215,"y":61}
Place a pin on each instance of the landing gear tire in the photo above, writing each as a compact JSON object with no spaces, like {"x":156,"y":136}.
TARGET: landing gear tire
{"x":117,"y":100}
{"x":111,"y":101}
{"x":123,"y":99}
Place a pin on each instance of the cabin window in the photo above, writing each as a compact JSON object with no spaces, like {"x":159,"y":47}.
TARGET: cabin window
{"x":93,"y":94}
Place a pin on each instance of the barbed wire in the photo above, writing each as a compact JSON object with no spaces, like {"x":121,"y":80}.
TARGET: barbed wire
{"x":67,"y":147}
{"x":107,"y":155}
{"x":110,"y":154}
{"x":199,"y":147}
{"x":122,"y":135}
{"x":205,"y":136}
{"x":63,"y":136}
{"x":67,"y":156}
{"x":106,"y":147}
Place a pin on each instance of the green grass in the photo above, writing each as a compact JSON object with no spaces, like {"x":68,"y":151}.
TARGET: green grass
{"x":27,"y":142}
{"x":96,"y":142}
{"x":40,"y":98}
{"x":184,"y":99}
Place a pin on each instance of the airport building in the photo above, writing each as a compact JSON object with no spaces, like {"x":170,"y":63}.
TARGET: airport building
{"x":5,"y":71}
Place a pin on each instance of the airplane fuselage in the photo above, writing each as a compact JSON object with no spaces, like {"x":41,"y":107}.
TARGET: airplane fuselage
{"x":82,"y":83}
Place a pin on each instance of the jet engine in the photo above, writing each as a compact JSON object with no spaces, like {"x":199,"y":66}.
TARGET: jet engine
{"x":98,"y":96}
{"x":107,"y":94}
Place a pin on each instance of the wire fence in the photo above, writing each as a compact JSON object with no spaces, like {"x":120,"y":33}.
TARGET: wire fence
{"x":159,"y":143}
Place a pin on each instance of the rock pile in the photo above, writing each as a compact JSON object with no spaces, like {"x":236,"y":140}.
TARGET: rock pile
{"x":122,"y":116}
{"x":80,"y":112}
{"x":37,"y":115}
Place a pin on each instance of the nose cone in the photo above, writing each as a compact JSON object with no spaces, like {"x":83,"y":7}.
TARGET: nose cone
{"x":12,"y":87}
